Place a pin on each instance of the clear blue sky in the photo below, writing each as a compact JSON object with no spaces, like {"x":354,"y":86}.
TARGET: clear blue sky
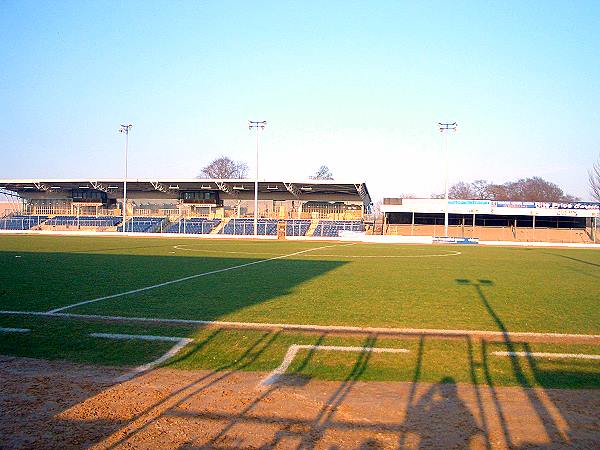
{"x":358,"y":86}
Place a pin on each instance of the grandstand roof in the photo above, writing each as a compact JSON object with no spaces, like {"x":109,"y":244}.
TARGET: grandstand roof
{"x":305,"y":190}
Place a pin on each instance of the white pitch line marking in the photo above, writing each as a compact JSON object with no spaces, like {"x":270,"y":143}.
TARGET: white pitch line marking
{"x":179,"y":344}
{"x":437,"y":255}
{"x":190,"y":277}
{"x":454,"y":253}
{"x":14,"y":330}
{"x":318,"y":328}
{"x":205,"y":250}
{"x":293,"y":350}
{"x":549,"y":355}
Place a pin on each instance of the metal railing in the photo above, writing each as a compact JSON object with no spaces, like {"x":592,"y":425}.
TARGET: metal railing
{"x":330,"y":229}
{"x":96,"y":223}
{"x":239,"y":227}
{"x":21,"y":222}
{"x":183,"y":226}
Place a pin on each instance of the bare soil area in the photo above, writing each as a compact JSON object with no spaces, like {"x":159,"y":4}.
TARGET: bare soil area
{"x":46,"y":404}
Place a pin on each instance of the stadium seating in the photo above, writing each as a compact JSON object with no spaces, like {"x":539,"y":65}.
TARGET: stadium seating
{"x":266,"y":227}
{"x":245,"y":226}
{"x":84,"y":221}
{"x":195,"y":225}
{"x":297,"y":227}
{"x":332,"y":228}
{"x":21,"y":222}
{"x":142,"y":224}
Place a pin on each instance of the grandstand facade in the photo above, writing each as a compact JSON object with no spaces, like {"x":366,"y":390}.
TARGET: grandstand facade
{"x":493,"y":220}
{"x":186,"y":206}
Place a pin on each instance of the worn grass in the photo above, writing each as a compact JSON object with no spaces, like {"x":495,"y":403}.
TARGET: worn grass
{"x":429,"y":360}
{"x":484,"y":288}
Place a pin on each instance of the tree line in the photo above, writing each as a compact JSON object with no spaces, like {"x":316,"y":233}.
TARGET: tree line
{"x":534,"y":189}
{"x":225,"y":168}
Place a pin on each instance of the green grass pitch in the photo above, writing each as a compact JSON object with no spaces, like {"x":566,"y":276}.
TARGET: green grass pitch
{"x":482,"y":288}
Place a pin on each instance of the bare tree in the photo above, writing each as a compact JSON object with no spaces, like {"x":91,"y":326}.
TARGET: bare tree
{"x":497,"y":192}
{"x":534,"y":189}
{"x":322,"y":174}
{"x":224,"y":168}
{"x":594,"y":174}
{"x":461,"y":190}
{"x":480,"y":189}
{"x":377,"y":206}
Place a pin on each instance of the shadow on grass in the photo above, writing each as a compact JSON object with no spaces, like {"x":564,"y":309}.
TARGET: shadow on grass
{"x":183,"y":394}
{"x":582,"y":261}
{"x":63,"y":279}
{"x":439,"y":404}
{"x":436,"y":414}
{"x":540,"y":406}
{"x":590,"y":271}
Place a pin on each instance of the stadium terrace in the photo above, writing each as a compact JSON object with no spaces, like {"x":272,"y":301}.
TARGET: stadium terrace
{"x":493,"y":220}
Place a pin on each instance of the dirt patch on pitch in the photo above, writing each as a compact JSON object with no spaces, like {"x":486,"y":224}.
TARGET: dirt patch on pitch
{"x":56,"y":404}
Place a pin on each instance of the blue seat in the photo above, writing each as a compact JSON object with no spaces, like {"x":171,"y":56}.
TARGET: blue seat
{"x":195,"y":225}
{"x":297,"y":227}
{"x":245,"y":226}
{"x":332,"y":228}
{"x":84,"y":221}
{"x":20,"y":222}
{"x":141,"y":224}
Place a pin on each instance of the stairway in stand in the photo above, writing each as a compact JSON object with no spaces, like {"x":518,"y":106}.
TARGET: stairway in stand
{"x":218,"y":228}
{"x":312,"y":228}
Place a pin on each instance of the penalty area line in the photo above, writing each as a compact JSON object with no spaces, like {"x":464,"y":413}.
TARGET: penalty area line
{"x":190,"y":277}
{"x":14,"y":330}
{"x":179,"y":344}
{"x":293,"y":350}
{"x":549,"y":355}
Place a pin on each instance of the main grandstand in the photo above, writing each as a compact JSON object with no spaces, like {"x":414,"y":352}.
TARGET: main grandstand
{"x":187,"y":206}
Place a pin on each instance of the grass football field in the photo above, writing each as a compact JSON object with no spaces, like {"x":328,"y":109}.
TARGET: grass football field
{"x":542,"y":290}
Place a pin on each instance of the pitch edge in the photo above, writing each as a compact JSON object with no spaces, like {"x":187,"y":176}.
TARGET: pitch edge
{"x":341,"y":329}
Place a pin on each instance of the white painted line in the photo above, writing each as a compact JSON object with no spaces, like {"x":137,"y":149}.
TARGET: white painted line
{"x":205,"y":250}
{"x":437,"y":255}
{"x":274,"y":375}
{"x":191,"y":277}
{"x":180,"y":343}
{"x":141,"y":337}
{"x":314,"y":328}
{"x":452,"y":253}
{"x":549,"y":355}
{"x":14,"y":330}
